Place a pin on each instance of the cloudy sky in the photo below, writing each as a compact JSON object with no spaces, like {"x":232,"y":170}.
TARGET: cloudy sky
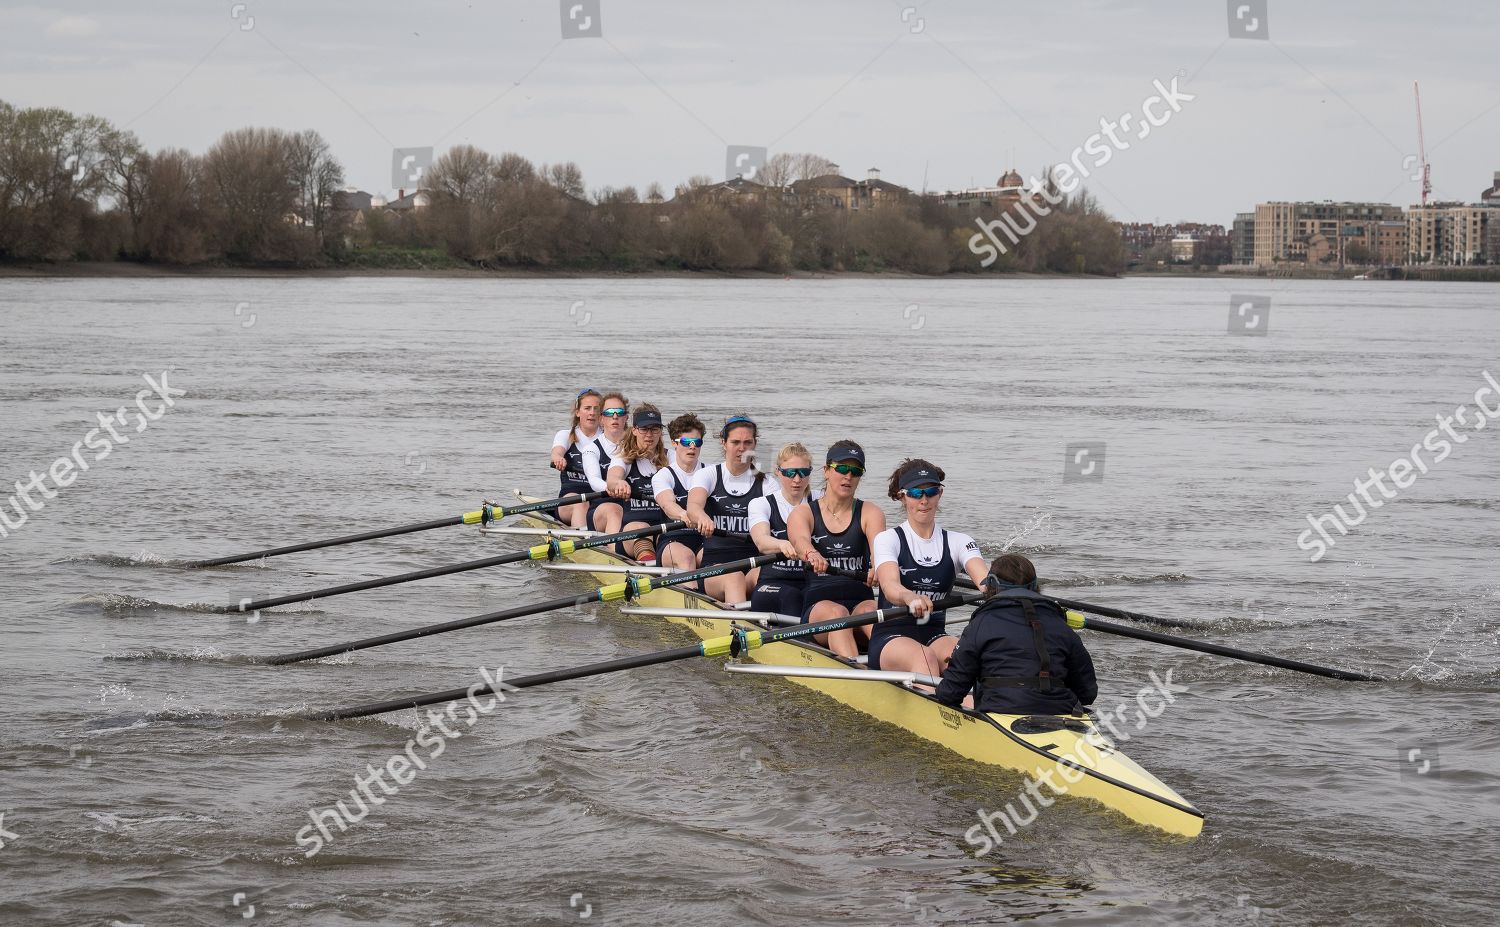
{"x":948,"y":93}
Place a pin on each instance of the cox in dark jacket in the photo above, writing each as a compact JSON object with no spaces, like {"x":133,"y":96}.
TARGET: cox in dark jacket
{"x":998,"y":656}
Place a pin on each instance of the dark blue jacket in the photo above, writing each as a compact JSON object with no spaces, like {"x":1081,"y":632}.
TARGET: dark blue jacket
{"x":999,"y":644}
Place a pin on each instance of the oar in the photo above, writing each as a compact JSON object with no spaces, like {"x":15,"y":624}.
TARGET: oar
{"x":549,"y":551}
{"x":630,"y":589}
{"x":1105,"y":610}
{"x":733,"y":645}
{"x":1078,"y":620}
{"x":481,"y":516}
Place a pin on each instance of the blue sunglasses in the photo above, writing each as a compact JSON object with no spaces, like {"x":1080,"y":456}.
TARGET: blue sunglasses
{"x":792,"y":473}
{"x":924,"y":492}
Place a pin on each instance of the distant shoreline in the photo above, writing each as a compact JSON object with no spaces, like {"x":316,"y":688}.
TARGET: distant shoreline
{"x":132,"y":270}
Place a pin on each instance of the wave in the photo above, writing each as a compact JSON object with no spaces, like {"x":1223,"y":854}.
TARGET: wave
{"x":145,"y":558}
{"x":109,"y":823}
{"x":117,"y":602}
{"x":1115,"y":579}
{"x":198,"y":655}
{"x":1486,"y":504}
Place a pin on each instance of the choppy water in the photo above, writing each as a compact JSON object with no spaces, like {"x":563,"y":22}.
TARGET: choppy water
{"x":146,"y":778}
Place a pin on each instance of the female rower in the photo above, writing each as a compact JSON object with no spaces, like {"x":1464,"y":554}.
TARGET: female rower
{"x":837,"y":531}
{"x":641,"y":455}
{"x":719,"y":504}
{"x":781,"y":584}
{"x":915,"y":563}
{"x":679,"y":549}
{"x":597,"y":454}
{"x":567,"y":455}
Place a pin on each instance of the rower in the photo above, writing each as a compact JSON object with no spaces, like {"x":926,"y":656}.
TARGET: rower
{"x":631,"y":470}
{"x":613,"y":423}
{"x":719,"y":505}
{"x":679,"y":549}
{"x":1018,"y":653}
{"x":567,"y":455}
{"x":781,"y":584}
{"x":837,"y":530}
{"x":916,"y":562}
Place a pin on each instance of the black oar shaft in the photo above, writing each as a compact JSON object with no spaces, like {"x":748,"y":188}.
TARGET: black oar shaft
{"x":468,"y":518}
{"x":624,"y":590}
{"x":334,"y":542}
{"x":1248,"y":656}
{"x":704,"y":648}
{"x":1121,"y":613}
{"x":520,"y":611}
{"x":429,"y":573}
{"x":968,"y":583}
{"x":524,"y":682}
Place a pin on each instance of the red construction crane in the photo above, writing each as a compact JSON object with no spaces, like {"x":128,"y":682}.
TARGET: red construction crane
{"x":1422,"y":147}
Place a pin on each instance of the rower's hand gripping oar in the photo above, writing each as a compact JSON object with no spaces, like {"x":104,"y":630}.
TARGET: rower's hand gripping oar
{"x":482,"y":516}
{"x":732,"y":645}
{"x":1079,"y":621}
{"x":551,"y":550}
{"x":632,"y":588}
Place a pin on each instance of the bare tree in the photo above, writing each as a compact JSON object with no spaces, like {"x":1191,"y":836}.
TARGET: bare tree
{"x":173,"y":227}
{"x":512,"y":168}
{"x":123,"y":165}
{"x":250,"y":193}
{"x":317,"y":176}
{"x":785,"y":167}
{"x":567,"y":178}
{"x":463,"y":173}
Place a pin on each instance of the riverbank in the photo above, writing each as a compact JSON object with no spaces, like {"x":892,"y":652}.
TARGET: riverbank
{"x":130,"y":269}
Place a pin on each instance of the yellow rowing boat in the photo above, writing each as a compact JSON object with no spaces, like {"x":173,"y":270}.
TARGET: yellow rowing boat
{"x":1069,"y":753}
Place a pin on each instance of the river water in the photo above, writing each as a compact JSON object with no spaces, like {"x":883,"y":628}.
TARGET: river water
{"x":146,"y":778}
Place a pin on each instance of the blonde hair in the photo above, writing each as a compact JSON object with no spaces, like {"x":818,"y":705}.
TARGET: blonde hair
{"x":795,"y":449}
{"x":578,"y":404}
{"x":630,"y":448}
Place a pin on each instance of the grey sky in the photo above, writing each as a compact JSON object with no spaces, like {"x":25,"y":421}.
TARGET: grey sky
{"x":958,"y":89}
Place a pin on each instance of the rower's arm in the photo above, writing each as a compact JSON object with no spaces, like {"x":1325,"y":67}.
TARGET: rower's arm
{"x":591,"y":468}
{"x":669,"y":507}
{"x":800,"y":531}
{"x":615,"y":481}
{"x":765,"y":541}
{"x":696,"y":516}
{"x":888,"y":576}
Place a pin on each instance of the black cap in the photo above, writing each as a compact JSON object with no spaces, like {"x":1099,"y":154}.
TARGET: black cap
{"x":647,"y":418}
{"x":919,"y":476}
{"x":845,"y":452}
